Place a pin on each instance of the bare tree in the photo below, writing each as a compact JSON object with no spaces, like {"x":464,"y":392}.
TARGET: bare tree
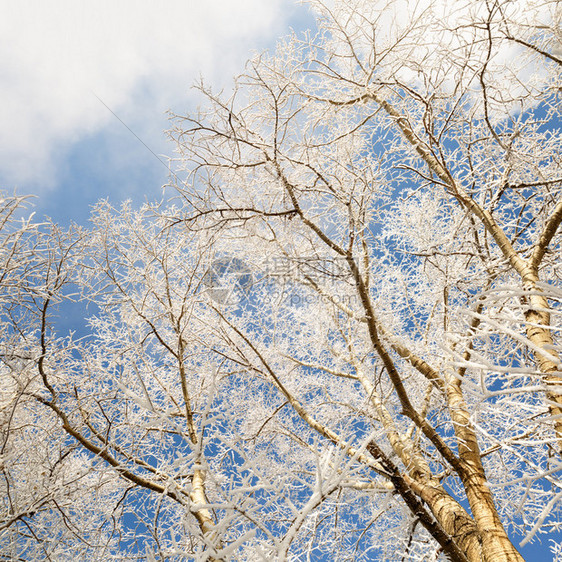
{"x":43,"y":474}
{"x":414,"y":148}
{"x":342,"y":340}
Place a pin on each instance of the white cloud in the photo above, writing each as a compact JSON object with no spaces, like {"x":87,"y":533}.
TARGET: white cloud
{"x":140,"y":57}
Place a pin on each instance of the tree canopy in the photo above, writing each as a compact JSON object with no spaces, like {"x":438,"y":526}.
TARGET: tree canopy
{"x":341,"y":339}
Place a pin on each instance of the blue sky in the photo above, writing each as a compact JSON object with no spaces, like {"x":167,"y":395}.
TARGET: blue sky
{"x":59,"y":142}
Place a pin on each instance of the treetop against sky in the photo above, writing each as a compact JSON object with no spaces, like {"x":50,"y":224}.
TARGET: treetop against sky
{"x":338,"y":341}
